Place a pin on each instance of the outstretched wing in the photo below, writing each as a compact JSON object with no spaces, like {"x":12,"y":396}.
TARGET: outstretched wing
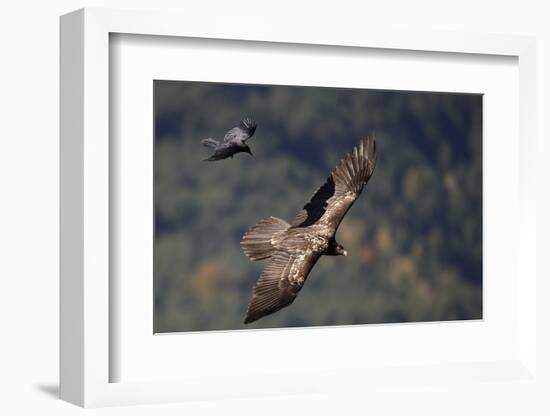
{"x":279,"y":283}
{"x":332,"y":200}
{"x":236,"y":135}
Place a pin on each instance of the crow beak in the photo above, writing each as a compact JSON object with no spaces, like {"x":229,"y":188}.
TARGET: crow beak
{"x":345,"y":253}
{"x":250,"y":153}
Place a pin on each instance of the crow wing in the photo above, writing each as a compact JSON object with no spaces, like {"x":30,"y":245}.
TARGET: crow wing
{"x":280,"y":282}
{"x":236,"y":135}
{"x":332,"y":201}
{"x":222,"y":151}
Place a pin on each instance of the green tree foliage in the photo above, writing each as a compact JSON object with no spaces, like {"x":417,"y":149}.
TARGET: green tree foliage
{"x":414,"y":237}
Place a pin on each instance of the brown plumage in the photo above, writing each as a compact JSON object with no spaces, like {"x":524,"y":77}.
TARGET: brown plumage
{"x":293,"y":249}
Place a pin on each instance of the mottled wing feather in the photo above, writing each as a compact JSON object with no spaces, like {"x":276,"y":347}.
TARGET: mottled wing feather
{"x":279,"y":283}
{"x":332,"y":200}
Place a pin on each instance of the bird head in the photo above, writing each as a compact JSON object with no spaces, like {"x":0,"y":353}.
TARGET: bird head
{"x":249,"y":125}
{"x":341,"y":251}
{"x":336,"y":249}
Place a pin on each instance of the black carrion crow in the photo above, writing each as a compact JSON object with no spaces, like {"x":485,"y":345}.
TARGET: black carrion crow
{"x":293,"y":249}
{"x":233,"y":142}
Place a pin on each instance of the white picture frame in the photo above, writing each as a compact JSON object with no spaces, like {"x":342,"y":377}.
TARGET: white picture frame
{"x":85,"y":354}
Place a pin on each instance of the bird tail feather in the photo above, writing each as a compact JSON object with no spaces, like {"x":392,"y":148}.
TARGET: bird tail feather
{"x":257,"y":243}
{"x":209,"y":142}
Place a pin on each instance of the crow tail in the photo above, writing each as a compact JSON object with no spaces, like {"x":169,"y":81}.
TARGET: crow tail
{"x":210,"y":142}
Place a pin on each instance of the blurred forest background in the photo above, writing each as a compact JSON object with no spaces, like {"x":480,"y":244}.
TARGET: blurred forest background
{"x":414,"y":236}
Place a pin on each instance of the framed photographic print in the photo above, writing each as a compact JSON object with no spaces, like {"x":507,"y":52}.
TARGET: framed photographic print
{"x":213,"y":220}
{"x":322,"y":200}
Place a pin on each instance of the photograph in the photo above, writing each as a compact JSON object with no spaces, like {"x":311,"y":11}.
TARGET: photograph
{"x":279,"y":206}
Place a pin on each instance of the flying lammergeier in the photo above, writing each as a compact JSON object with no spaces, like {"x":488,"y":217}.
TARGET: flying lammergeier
{"x":293,"y":249}
{"x":233,"y":142}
